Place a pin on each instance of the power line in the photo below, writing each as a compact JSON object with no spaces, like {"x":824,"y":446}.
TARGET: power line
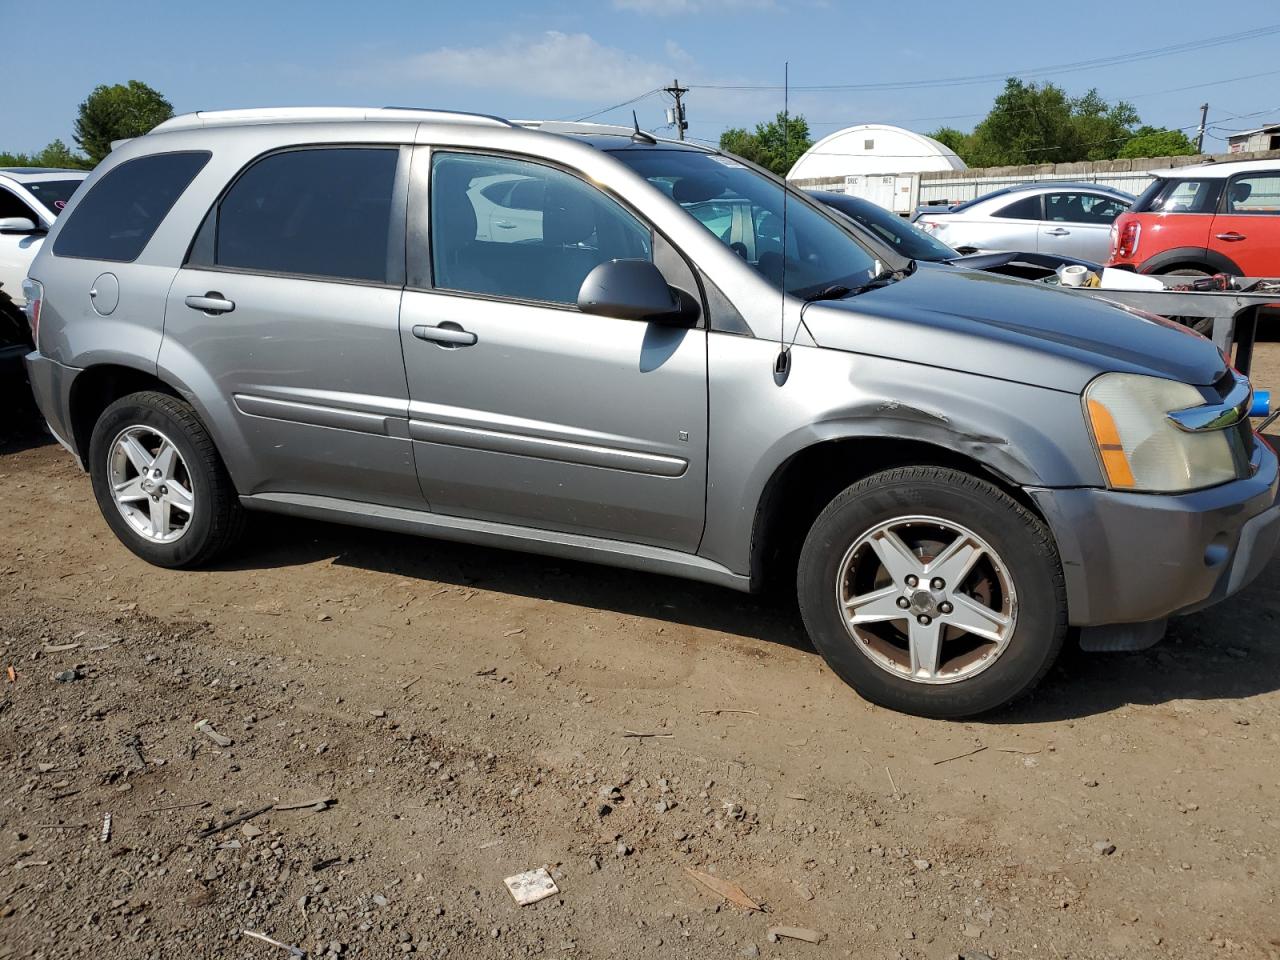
{"x":1114,"y":60}
{"x":617,"y":106}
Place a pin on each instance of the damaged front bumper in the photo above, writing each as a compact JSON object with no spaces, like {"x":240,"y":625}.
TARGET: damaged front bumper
{"x":1131,"y":560}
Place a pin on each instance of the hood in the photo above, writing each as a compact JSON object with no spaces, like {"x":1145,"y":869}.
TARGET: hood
{"x":994,"y":326}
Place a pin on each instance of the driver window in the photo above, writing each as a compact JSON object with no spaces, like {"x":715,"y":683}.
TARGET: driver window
{"x":512,"y":228}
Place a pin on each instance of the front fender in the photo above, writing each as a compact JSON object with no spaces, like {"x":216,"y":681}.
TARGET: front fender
{"x":1029,"y":436}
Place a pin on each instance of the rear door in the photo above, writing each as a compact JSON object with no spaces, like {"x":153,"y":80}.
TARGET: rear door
{"x":1010,"y":227}
{"x":524,"y":410}
{"x":1246,"y":229}
{"x":288,"y":305}
{"x":1077,"y":223}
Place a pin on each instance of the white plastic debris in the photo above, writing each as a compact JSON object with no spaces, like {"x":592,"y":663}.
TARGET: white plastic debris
{"x":531,"y":886}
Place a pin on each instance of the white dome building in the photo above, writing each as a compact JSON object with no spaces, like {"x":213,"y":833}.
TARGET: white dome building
{"x":875,"y":161}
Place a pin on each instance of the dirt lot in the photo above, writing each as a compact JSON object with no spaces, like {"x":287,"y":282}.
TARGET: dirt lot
{"x":469,"y":714}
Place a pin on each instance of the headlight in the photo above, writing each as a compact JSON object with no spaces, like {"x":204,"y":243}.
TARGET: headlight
{"x":1140,"y":447}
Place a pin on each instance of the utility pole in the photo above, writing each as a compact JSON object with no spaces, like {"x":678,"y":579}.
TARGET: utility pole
{"x":1204,"y":115}
{"x":677,"y":116}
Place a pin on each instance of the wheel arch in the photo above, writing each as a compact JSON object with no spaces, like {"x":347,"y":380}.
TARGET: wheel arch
{"x":1197,"y":258}
{"x":802,"y":485}
{"x":97,"y":387}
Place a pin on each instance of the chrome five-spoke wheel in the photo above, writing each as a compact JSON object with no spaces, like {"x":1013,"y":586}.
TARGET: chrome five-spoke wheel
{"x":927,"y":599}
{"x":151,"y":484}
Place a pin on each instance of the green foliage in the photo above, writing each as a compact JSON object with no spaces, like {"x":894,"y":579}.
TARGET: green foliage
{"x":1158,"y":142}
{"x":767,"y":145}
{"x":1039,"y":123}
{"x":116,"y":112}
{"x":56,"y":154}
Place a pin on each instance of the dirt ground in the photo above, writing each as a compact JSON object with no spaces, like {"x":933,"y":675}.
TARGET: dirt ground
{"x":469,"y":714}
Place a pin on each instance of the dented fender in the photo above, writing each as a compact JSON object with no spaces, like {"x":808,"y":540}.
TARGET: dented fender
{"x":1027,"y":435}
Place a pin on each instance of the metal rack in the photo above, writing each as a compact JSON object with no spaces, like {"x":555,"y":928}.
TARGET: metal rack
{"x":1235,"y":314}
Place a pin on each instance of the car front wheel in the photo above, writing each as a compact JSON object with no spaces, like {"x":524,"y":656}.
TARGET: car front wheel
{"x":933,"y":592}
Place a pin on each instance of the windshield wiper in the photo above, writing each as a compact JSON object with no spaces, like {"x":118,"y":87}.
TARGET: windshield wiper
{"x":836,"y":291}
{"x":885,"y":277}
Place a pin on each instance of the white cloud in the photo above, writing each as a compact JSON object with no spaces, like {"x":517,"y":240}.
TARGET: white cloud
{"x":663,"y":8}
{"x":559,"y":66}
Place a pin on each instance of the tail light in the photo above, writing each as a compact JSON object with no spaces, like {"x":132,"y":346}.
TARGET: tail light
{"x":33,"y":290}
{"x":1124,"y":239}
{"x":930,"y":226}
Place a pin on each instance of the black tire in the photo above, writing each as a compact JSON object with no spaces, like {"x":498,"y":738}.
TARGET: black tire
{"x":217,"y":519}
{"x":1020,"y":538}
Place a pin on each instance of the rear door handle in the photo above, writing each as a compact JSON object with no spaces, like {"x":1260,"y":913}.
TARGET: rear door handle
{"x":1059,"y":232}
{"x":1232,"y":237}
{"x":447,"y":333}
{"x":212,"y":302}
{"x":504,"y":224}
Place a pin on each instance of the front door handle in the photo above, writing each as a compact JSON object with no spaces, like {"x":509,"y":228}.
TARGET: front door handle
{"x":1059,"y":232}
{"x":447,"y":333}
{"x":212,"y":302}
{"x":1231,"y":237}
{"x":504,"y":224}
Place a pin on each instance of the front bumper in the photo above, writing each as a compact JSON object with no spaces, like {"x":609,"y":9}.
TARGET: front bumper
{"x":1137,"y":557}
{"x":51,"y":386}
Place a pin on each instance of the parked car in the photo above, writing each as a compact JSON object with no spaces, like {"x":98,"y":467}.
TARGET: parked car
{"x":1204,"y":219}
{"x":952,"y":468}
{"x":1072,"y":219}
{"x":30,"y":199}
{"x":888,"y":227}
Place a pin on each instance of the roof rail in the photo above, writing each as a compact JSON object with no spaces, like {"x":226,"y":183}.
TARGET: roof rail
{"x":229,"y":118}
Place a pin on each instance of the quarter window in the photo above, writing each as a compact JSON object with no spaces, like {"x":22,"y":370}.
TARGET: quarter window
{"x":512,"y":228}
{"x":322,"y":212}
{"x":1028,"y":208}
{"x":1256,"y":194}
{"x":121,"y":212}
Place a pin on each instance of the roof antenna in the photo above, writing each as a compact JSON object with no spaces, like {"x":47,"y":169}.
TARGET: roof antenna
{"x":782,"y":363}
{"x":641,"y":136}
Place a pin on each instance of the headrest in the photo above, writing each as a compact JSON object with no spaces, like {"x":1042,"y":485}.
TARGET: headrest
{"x":1240,"y":191}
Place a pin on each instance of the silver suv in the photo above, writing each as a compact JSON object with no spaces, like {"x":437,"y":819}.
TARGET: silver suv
{"x":585,"y":342}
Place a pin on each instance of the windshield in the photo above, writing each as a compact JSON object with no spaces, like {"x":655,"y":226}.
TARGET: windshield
{"x":744,"y":210}
{"x":53,"y":194}
{"x":890,"y":228}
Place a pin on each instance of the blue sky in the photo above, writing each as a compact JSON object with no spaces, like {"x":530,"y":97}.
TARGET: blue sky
{"x":563,"y":59}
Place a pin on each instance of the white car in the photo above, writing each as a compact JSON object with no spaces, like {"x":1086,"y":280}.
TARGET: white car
{"x":1069,"y":219}
{"x":30,"y":199}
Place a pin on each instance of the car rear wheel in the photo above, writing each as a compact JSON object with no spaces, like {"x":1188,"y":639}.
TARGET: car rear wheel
{"x":933,"y":592}
{"x":159,"y":482}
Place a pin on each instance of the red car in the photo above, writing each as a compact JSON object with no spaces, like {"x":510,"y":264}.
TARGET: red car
{"x":1204,"y":219}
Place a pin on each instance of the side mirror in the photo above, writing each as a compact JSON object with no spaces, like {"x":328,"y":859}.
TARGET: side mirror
{"x":635,"y":290}
{"x":19,"y":225}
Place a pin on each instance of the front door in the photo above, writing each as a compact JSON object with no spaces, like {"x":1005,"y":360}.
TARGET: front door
{"x":287,"y":312}
{"x":1247,"y":230}
{"x":524,"y":410}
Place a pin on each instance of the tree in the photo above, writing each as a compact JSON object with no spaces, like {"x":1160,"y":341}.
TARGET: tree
{"x":1041,"y":123}
{"x":954,"y":140}
{"x":775,"y":145}
{"x":116,"y":112}
{"x":56,"y":154}
{"x":1158,"y":142}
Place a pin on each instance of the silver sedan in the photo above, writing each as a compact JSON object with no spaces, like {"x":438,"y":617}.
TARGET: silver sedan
{"x":1072,"y":219}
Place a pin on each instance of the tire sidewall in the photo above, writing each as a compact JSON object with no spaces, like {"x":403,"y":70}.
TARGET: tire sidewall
{"x":138,"y":411}
{"x":1035,"y":572}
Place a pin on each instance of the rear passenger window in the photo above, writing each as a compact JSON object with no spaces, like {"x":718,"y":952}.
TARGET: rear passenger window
{"x":316,"y":212}
{"x":1028,"y":208}
{"x":119,"y":215}
{"x":511,"y":228}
